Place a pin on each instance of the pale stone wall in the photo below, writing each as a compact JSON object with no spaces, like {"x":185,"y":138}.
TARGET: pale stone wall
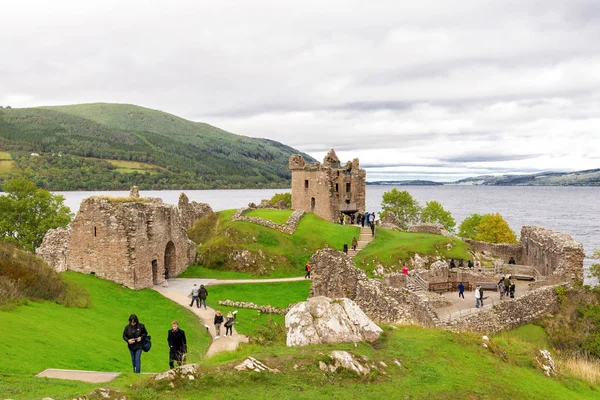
{"x":501,"y":250}
{"x":290,"y":226}
{"x":322,"y":188}
{"x":552,"y":253}
{"x":508,"y":314}
{"x":121,"y":241}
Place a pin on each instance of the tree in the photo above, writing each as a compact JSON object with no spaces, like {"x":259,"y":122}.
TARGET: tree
{"x":468,"y":228}
{"x":27,"y":213}
{"x":595,"y":268}
{"x":402,"y":206}
{"x":434,"y":213}
{"x":490,"y":228}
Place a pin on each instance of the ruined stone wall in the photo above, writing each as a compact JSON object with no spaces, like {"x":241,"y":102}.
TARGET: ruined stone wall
{"x":507,"y":314}
{"x":290,"y":226}
{"x":326,"y":189}
{"x":434,"y":229}
{"x":552,"y":253}
{"x":501,"y":250}
{"x":122,"y":241}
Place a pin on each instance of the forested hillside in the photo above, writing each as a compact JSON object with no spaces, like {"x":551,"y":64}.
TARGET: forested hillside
{"x":113,"y":146}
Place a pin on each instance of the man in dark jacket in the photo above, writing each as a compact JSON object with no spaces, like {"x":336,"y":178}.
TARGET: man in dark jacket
{"x":177,"y":345}
{"x":133,"y":334}
{"x":203,"y":293}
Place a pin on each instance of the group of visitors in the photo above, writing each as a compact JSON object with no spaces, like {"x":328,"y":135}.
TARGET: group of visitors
{"x":360,"y":219}
{"x":506,"y":287}
{"x":461,"y":264}
{"x":135,"y":334}
{"x":199,"y":295}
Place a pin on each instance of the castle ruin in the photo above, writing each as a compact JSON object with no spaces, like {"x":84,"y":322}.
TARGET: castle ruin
{"x":328,"y":190}
{"x":131,"y":242}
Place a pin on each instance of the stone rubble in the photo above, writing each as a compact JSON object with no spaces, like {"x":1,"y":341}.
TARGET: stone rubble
{"x":252,"y":364}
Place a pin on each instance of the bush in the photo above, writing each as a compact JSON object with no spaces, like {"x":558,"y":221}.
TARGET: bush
{"x":285,"y":197}
{"x":269,"y":333}
{"x":203,"y":228}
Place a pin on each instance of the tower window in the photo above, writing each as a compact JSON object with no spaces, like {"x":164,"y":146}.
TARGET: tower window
{"x":94,"y":231}
{"x":348,"y":187}
{"x":336,"y":187}
{"x":306,"y":184}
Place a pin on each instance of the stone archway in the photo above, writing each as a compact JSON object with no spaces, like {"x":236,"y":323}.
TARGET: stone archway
{"x":170,"y":259}
{"x":312,"y":205}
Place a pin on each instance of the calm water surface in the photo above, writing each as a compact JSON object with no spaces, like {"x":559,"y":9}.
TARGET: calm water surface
{"x":571,"y":210}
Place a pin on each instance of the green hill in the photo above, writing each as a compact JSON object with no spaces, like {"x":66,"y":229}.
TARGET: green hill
{"x":83,"y":147}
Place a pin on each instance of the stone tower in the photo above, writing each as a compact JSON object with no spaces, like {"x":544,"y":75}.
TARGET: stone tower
{"x":329,"y":189}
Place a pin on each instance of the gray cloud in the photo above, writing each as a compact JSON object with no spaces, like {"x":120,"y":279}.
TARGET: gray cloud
{"x":499,"y":86}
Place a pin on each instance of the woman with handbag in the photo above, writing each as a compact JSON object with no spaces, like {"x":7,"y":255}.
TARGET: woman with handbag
{"x":133,"y":334}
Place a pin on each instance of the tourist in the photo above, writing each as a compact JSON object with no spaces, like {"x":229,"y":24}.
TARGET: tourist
{"x":203,"y":294}
{"x":307,"y":269}
{"x":229,"y":325}
{"x":195,"y":294}
{"x":346,"y":248}
{"x":501,"y":288}
{"x":477,"y":296}
{"x":507,"y":284}
{"x":405,"y":270}
{"x":481,"y":298}
{"x":461,"y":290}
{"x":470,"y":264}
{"x":452,"y":264}
{"x":133,"y":334}
{"x":512,"y":290}
{"x":460,"y":263}
{"x":166,"y":274}
{"x":511,"y":261}
{"x":373,"y":227}
{"x":354,"y":243}
{"x":218,"y":321}
{"x":177,"y":345}
{"x":363,"y":217}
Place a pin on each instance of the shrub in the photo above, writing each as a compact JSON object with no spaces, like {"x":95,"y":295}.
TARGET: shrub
{"x":285,"y":197}
{"x":203,"y":228}
{"x":269,"y":333}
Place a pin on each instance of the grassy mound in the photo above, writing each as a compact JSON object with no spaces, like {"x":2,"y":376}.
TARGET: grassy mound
{"x":276,"y":254}
{"x":393,"y":248}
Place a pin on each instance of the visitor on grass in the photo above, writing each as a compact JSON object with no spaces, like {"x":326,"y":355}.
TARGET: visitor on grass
{"x":177,"y":345}
{"x":203,"y":294}
{"x":461,"y":290}
{"x":218,"y":321}
{"x":229,"y":325}
{"x":133,"y":334}
{"x":195,"y":295}
{"x":477,"y":296}
{"x":307,"y":268}
{"x":354,"y":243}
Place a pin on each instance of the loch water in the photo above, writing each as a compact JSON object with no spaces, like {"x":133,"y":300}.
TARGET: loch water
{"x":571,"y":210}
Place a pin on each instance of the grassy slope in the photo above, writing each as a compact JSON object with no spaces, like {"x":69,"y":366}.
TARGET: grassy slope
{"x":291,"y":252}
{"x":45,"y":335}
{"x":277,"y":216}
{"x":392,"y":248}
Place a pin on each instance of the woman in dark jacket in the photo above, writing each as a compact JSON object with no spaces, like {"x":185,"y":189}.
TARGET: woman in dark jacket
{"x":133,"y":334}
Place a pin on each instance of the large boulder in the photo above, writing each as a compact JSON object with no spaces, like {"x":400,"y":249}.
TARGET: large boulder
{"x":323,"y":320}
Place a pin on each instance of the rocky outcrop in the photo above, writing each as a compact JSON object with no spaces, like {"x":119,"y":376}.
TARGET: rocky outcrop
{"x":186,"y":372}
{"x":323,"y":320}
{"x":55,"y":248}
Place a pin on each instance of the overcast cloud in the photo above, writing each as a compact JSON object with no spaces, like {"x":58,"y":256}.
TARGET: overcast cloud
{"x":425,"y":89}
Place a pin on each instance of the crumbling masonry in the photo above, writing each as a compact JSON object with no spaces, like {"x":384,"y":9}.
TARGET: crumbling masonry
{"x":129,"y":242}
{"x":329,"y":189}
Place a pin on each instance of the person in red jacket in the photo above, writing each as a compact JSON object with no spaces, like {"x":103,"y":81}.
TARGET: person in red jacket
{"x":307,"y":269}
{"x":405,"y":270}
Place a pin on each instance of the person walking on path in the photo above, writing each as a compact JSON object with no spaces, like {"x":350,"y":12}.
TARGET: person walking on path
{"x":195,"y":294}
{"x":373,"y":225}
{"x":477,"y":297}
{"x":203,"y":294}
{"x":133,"y":334}
{"x":229,"y":325}
{"x":354,"y":243}
{"x":461,"y":290}
{"x":481,"y":298}
{"x":218,"y":321}
{"x":307,"y":269}
{"x":501,"y":288}
{"x":404,"y":270}
{"x":507,"y":284}
{"x":177,"y":345}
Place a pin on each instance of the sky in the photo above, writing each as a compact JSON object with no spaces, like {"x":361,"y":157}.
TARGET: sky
{"x":435,"y":90}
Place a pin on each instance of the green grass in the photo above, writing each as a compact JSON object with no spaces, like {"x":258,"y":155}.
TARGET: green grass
{"x":7,"y":164}
{"x":127,"y":167}
{"x":277,"y":216}
{"x":393,"y":248}
{"x":43,"y":335}
{"x":283,"y":255}
{"x":276,"y":294}
{"x":198,"y":271}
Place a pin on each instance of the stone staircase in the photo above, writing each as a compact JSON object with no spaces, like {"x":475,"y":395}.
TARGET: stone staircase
{"x":363,"y":240}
